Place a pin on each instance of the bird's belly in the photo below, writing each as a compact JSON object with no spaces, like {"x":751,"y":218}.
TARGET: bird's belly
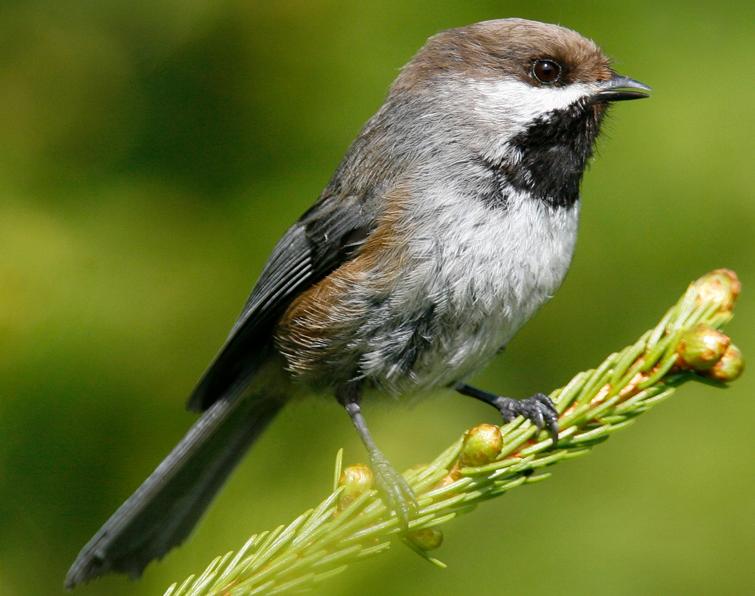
{"x":474,"y":280}
{"x":470,"y":277}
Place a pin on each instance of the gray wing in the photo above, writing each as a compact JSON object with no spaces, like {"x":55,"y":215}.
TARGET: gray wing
{"x":324,"y":237}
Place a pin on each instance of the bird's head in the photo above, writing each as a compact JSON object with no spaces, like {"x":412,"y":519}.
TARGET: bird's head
{"x":518,"y":69}
{"x":528,"y":94}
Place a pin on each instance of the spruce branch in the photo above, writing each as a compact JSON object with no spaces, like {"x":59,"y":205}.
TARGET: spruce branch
{"x":352,"y":523}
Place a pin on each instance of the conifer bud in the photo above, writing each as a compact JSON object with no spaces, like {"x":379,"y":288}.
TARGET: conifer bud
{"x":701,"y":347}
{"x":426,"y":538}
{"x":729,"y":367}
{"x":355,"y":480}
{"x":720,"y":285}
{"x":482,"y":444}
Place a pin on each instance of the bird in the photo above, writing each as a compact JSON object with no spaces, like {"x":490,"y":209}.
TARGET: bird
{"x":450,"y":221}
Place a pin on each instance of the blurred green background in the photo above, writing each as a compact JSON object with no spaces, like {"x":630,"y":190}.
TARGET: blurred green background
{"x":152,"y":153}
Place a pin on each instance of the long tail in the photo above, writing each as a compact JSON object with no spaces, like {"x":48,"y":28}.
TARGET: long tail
{"x":165,"y":508}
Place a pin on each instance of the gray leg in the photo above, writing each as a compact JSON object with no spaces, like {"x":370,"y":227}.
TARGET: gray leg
{"x":538,"y":409}
{"x":397,"y":494}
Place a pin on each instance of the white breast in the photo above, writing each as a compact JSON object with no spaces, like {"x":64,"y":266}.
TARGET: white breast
{"x":484,"y":271}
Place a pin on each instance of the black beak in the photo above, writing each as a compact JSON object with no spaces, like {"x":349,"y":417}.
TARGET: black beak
{"x":621,"y":88}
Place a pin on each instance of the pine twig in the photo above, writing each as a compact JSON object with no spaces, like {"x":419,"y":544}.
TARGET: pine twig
{"x":352,"y":523}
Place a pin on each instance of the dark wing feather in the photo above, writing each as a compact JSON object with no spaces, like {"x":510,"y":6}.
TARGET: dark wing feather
{"x":323,"y":238}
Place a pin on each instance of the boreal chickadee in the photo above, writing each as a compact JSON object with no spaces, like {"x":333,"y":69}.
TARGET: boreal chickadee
{"x":450,"y":221}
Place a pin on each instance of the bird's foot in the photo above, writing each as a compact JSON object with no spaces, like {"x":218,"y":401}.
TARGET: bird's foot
{"x":538,"y":409}
{"x":395,"y":490}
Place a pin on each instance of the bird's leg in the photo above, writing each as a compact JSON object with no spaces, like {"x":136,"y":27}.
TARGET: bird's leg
{"x":393,"y":486}
{"x":538,"y":409}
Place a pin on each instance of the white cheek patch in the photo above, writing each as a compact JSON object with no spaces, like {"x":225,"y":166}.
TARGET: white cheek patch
{"x":515,"y":104}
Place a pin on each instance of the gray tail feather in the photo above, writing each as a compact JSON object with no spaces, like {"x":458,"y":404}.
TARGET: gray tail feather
{"x":165,"y":508}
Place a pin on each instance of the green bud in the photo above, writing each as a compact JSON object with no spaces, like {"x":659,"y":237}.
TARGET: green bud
{"x":482,"y":444}
{"x":729,"y":367}
{"x":701,"y":347}
{"x":355,"y":480}
{"x":426,"y":538}
{"x":720,"y":285}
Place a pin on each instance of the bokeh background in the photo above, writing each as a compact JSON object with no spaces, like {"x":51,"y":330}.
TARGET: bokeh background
{"x":151,"y":154}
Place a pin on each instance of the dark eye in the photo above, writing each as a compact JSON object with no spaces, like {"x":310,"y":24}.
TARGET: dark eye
{"x":546,"y":71}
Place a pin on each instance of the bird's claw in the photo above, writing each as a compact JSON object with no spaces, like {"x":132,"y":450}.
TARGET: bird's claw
{"x":395,"y":490}
{"x":538,"y":409}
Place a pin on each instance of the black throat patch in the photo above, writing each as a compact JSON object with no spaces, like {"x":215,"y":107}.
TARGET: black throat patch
{"x":551,"y":155}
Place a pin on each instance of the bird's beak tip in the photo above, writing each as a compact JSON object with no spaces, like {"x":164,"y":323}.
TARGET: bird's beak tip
{"x":621,"y":88}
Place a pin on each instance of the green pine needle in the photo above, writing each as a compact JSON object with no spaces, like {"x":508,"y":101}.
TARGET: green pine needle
{"x":325,"y":540}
